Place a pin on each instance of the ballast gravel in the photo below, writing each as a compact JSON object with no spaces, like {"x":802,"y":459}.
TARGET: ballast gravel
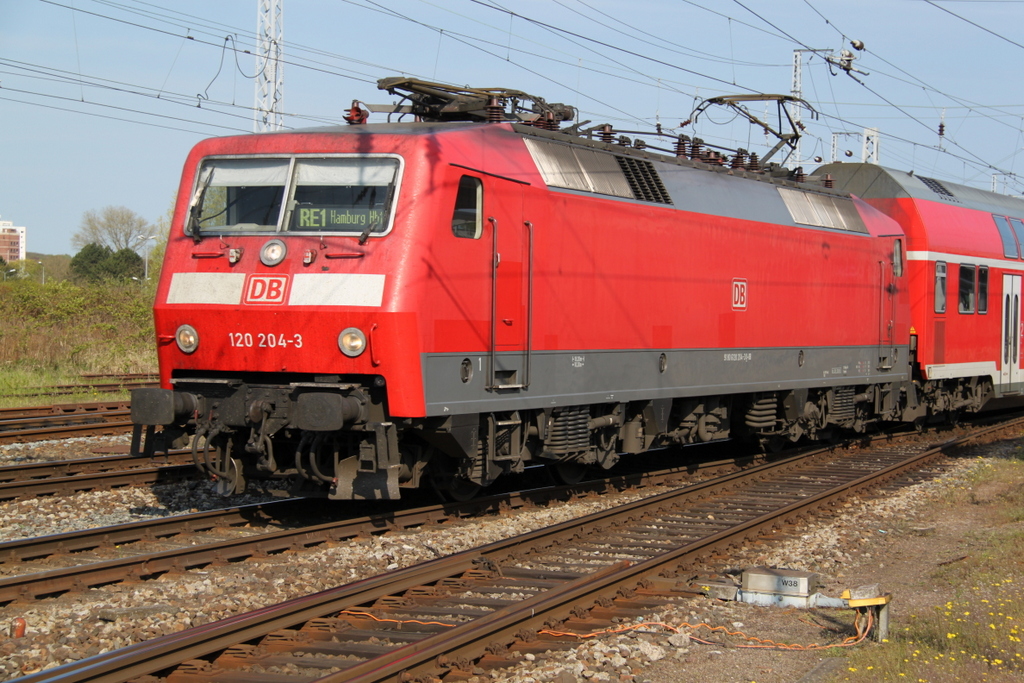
{"x":75,"y":626}
{"x":60,"y":514}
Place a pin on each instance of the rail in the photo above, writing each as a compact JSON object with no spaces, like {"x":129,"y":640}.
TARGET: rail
{"x":578,"y":574}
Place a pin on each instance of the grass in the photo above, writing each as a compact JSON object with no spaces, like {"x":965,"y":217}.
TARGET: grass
{"x":54,"y":333}
{"x":976,"y":634}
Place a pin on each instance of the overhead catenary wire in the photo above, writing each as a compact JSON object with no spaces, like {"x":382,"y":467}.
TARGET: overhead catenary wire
{"x":328,"y":60}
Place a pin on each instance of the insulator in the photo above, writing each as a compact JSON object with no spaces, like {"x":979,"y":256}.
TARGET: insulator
{"x":753,"y":164}
{"x":681,"y":146}
{"x":552,"y":122}
{"x":828,"y":182}
{"x":607,"y":134}
{"x":495,"y":110}
{"x":798,"y":174}
{"x":739,"y":158}
{"x":696,"y":151}
{"x":942,"y":130}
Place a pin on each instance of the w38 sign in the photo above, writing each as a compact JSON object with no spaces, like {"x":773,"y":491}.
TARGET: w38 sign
{"x":265,"y":289}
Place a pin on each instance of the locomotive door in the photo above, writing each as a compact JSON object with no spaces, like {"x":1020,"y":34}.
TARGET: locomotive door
{"x":888,"y":274}
{"x":1010,"y":372}
{"x":511,"y":266}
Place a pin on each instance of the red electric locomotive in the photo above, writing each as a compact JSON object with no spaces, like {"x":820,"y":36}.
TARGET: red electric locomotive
{"x":358,"y":309}
{"x":964,"y":251}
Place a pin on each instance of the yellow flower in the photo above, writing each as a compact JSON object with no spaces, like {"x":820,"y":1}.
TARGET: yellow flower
{"x":951,"y":635}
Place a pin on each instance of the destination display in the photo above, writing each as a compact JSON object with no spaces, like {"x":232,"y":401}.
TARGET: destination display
{"x":327,"y":217}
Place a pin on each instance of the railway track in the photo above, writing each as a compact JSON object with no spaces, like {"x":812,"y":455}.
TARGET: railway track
{"x":39,"y":423}
{"x":77,"y":466}
{"x":244,"y":532}
{"x":488,"y":607}
{"x":97,"y":383}
{"x":125,"y":472}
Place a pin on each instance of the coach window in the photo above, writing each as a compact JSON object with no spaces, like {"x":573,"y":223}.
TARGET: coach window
{"x":1018,"y":230}
{"x":897,"y":258}
{"x":940,"y":287}
{"x":982,"y":289}
{"x":1006,"y":235}
{"x":467,"y":218}
{"x":965,"y":289}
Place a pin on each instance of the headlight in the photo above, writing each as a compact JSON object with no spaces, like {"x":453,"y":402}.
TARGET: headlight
{"x":273,"y":252}
{"x":352,"y":342}
{"x":187,"y":338}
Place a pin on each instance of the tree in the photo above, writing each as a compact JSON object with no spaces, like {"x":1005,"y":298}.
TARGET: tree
{"x":162,"y":232}
{"x":123,"y":265}
{"x":96,"y":263}
{"x":116,"y":227}
{"x":89,"y":263}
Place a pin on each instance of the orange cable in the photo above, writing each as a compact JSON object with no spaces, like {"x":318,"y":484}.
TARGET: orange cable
{"x":763,"y":643}
{"x":397,"y":621}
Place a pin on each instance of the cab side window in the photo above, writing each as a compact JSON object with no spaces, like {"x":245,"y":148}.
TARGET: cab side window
{"x":467,"y":219}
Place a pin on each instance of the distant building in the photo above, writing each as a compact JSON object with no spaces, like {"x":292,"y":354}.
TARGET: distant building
{"x":12,"y":242}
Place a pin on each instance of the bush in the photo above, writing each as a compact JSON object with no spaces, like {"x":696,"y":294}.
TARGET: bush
{"x":77,"y":328}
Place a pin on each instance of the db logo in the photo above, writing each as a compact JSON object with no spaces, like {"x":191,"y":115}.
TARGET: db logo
{"x":265,"y":289}
{"x":739,"y":295}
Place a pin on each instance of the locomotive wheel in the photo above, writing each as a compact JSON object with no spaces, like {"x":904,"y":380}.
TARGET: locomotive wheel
{"x":442,"y":473}
{"x":460,"y":490}
{"x":568,"y":472}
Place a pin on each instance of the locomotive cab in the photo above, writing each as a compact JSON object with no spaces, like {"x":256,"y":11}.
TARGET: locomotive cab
{"x":271,"y":270}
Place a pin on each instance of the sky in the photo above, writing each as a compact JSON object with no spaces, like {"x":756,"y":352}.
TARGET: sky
{"x":101,"y":100}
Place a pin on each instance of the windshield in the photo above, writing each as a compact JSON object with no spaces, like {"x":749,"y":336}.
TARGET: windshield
{"x":342,"y":194}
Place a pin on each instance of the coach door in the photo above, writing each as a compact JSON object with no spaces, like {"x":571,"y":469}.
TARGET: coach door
{"x":1010,"y":374}
{"x":511,"y":271}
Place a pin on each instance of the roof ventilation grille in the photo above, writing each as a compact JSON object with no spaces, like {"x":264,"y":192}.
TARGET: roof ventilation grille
{"x":643,"y":179}
{"x":936,"y":187}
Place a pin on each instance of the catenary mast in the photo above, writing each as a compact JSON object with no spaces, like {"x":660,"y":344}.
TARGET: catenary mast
{"x":269,"y":73}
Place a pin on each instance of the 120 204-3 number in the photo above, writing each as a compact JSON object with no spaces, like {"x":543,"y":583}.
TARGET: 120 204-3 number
{"x":264,"y":340}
